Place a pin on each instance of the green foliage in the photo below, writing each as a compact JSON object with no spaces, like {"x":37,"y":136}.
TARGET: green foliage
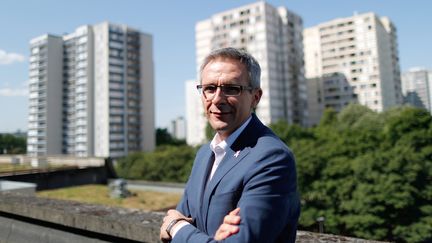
{"x":289,"y":133}
{"x":369,"y":174}
{"x":11,"y":144}
{"x":209,"y":132}
{"x":166,"y":163}
{"x":164,"y":138}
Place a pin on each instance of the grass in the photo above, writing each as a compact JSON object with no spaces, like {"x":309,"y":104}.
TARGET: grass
{"x":99,"y":194}
{"x":11,"y":167}
{"x":21,"y":167}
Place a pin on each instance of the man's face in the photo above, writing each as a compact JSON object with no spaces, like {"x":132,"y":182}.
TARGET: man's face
{"x":226,"y":113}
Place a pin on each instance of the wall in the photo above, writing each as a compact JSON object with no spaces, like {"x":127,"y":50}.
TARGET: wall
{"x":58,"y":177}
{"x":31,"y":219}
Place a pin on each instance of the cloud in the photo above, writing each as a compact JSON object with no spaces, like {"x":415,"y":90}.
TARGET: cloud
{"x":13,"y":92}
{"x":9,"y":58}
{"x":22,"y":90}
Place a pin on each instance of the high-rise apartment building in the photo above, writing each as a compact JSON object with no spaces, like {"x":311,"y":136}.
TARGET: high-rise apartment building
{"x":353,"y":59}
{"x":45,"y":96}
{"x":274,"y":37}
{"x":417,"y":88}
{"x":91,"y":92}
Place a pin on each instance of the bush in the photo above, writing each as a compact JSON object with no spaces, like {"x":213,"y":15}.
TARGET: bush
{"x":166,"y":163}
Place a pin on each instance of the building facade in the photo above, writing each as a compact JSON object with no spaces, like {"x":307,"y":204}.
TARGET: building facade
{"x":360,"y":55}
{"x":195,"y":118}
{"x":92,"y":92}
{"x":274,"y":37}
{"x":417,"y":88}
{"x":178,"y":128}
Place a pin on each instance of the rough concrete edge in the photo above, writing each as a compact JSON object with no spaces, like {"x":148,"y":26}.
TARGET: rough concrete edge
{"x":305,"y":236}
{"x":120,"y":222}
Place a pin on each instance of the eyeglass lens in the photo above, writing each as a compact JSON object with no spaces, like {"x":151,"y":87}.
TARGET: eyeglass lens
{"x":227,"y":90}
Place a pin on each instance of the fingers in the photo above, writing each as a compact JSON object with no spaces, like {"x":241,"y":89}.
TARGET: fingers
{"x":172,"y":211}
{"x":233,"y":217}
{"x":170,"y":216}
{"x":235,"y":211}
{"x":229,"y":226}
{"x":175,"y":213}
{"x":163,"y":235}
{"x":225,"y":231}
{"x":221,"y":235}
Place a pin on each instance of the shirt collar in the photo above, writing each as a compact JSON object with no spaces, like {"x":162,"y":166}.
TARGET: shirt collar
{"x":230,"y":139}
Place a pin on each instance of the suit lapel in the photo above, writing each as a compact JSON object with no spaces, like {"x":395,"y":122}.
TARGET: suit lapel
{"x":203,"y":166}
{"x":206,"y":162}
{"x":225,"y":166}
{"x":229,"y":161}
{"x":250,"y":135}
{"x":208,"y":159}
{"x":238,"y":150}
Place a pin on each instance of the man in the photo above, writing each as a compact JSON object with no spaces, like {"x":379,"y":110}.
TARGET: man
{"x":242,"y":187}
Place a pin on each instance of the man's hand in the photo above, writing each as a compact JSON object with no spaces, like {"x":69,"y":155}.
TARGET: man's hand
{"x":170,"y":216}
{"x":229,"y":226}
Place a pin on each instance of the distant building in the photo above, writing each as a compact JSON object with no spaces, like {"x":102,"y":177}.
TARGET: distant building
{"x":178,"y":128}
{"x":274,"y":37}
{"x":352,"y":60}
{"x":195,"y":118}
{"x":417,"y":88}
{"x":91,"y":92}
{"x":328,"y":91}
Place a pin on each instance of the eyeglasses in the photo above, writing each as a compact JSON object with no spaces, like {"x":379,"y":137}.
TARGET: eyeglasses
{"x":209,"y":91}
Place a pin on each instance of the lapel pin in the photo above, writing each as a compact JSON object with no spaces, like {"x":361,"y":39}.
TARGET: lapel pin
{"x":237,"y":154}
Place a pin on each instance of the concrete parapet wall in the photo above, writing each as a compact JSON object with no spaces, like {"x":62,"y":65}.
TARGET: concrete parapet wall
{"x":60,"y":177}
{"x":85,"y":220}
{"x":18,"y":231}
{"x":54,"y":160}
{"x":32,"y":219}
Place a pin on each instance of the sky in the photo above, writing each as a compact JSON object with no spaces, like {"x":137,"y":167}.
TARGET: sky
{"x":172,"y":25}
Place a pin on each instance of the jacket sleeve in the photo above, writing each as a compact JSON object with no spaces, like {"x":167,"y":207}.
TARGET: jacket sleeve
{"x":189,"y":233}
{"x":269,"y":205}
{"x":183,"y":205}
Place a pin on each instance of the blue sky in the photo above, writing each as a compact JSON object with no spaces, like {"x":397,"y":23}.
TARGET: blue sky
{"x":172,"y":24}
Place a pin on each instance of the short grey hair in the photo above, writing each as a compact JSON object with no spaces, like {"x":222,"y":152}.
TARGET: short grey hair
{"x":252,"y":66}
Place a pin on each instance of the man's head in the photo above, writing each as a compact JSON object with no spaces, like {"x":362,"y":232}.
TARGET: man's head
{"x":230,"y":88}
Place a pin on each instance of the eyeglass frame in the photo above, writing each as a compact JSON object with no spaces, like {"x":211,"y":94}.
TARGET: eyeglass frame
{"x":222,"y":87}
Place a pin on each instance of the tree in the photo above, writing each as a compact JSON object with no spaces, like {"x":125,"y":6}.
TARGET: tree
{"x":10,"y":144}
{"x":166,"y":163}
{"x":163,"y":137}
{"x":288,"y":133}
{"x":209,"y":132}
{"x":368,"y":174}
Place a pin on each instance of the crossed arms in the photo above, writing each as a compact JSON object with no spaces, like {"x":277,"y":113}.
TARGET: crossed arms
{"x":269,"y":206}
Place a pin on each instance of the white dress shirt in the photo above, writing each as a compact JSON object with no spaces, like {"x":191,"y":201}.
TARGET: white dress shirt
{"x":220,"y":148}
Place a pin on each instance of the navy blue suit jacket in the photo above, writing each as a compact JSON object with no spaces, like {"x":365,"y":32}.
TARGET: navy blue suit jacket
{"x":259,"y":177}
